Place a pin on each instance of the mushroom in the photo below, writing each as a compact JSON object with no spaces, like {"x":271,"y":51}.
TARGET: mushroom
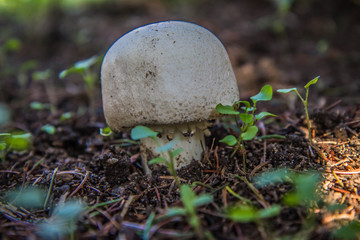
{"x":168,"y":76}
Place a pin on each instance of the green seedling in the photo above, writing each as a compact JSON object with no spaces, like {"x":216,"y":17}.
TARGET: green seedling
{"x":245,"y":120}
{"x":348,"y":231}
{"x":49,"y":129}
{"x":245,"y":213}
{"x":16,"y":141}
{"x":304,"y":101}
{"x":191,"y":201}
{"x":39,"y":106}
{"x":166,"y":154}
{"x":106,"y":131}
{"x":62,"y":223}
{"x":65,"y":116}
{"x":28,"y":198}
{"x":46,"y":77}
{"x":305,"y":185}
{"x":90,"y":77}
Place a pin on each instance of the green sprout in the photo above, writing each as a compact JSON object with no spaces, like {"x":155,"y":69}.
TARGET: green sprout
{"x":49,"y":129}
{"x":304,"y":101}
{"x":90,"y":78}
{"x":46,"y":77}
{"x":166,"y":155}
{"x":65,"y":116}
{"x":248,"y":119}
{"x":106,"y":131}
{"x":246,"y":213}
{"x":28,"y":198}
{"x":39,"y":106}
{"x":62,"y":223}
{"x":191,"y":201}
{"x":305,"y":185}
{"x":15,"y":141}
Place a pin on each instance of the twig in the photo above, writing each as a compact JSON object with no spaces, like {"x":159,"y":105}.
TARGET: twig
{"x":258,"y":195}
{"x":356,"y":171}
{"x":158,"y":195}
{"x":258,"y":167}
{"x":127,"y":205}
{"x":217,"y":160}
{"x":337,"y":178}
{"x":80,"y":185}
{"x":50,"y":188}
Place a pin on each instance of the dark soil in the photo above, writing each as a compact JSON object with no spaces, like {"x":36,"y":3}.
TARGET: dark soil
{"x":319,"y":39}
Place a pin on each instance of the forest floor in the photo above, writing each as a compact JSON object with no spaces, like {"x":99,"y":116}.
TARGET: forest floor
{"x":266,"y":46}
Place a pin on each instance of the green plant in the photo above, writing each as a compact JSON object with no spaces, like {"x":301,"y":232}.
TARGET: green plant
{"x":245,"y":120}
{"x":46,"y":77}
{"x":16,"y":141}
{"x":191,"y":201}
{"x":304,"y":101}
{"x":245,"y":213}
{"x":49,"y":129}
{"x":90,"y":77}
{"x":348,"y":231}
{"x":62,"y":223}
{"x":305,"y":185}
{"x":166,"y":155}
{"x":106,"y":131}
{"x":28,"y":198}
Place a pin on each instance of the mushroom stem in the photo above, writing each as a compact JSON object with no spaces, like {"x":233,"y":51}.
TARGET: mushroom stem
{"x":189,"y":137}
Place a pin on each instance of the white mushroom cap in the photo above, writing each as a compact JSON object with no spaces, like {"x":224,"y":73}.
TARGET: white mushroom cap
{"x":166,"y":73}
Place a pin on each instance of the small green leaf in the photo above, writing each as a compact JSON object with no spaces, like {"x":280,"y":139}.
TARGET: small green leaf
{"x":69,"y":71}
{"x":188,"y":198}
{"x":311,"y":82}
{"x":250,"y":133}
{"x":287,"y":90}
{"x":226,"y":109}
{"x":106,"y":131}
{"x":39,"y":106}
{"x":265,"y":94}
{"x":166,"y":147}
{"x":264,"y":114}
{"x":140,"y":132}
{"x":348,"y":231}
{"x":158,"y":160}
{"x":229,"y":140}
{"x":79,"y":67}
{"x":203,"y":200}
{"x":174,"y":211}
{"x":271,"y":177}
{"x":19,"y":141}
{"x":65,"y":116}
{"x":272,"y":211}
{"x":241,"y":213}
{"x":49,"y":129}
{"x":247,"y":118}
{"x":87,"y":63}
{"x":176,"y":152}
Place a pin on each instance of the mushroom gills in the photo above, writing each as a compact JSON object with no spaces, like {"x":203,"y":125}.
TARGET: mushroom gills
{"x":188,"y":136}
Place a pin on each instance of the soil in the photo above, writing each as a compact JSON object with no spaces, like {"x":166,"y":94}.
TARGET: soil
{"x":318,"y":39}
